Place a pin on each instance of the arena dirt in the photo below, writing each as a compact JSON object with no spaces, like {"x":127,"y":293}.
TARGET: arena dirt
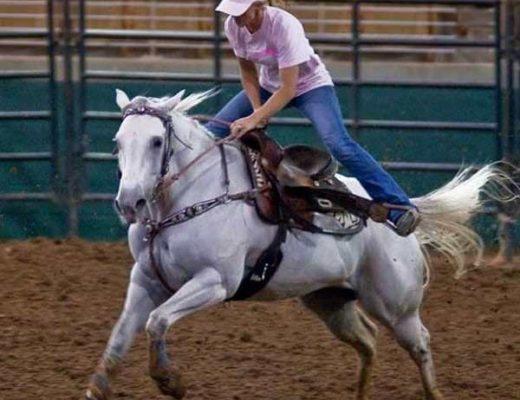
{"x":59,"y":300}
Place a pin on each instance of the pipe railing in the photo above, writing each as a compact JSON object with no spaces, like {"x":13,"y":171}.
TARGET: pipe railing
{"x":48,"y":115}
{"x":73,"y":42}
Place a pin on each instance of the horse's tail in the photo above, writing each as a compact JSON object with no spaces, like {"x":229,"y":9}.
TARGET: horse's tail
{"x":447,"y":211}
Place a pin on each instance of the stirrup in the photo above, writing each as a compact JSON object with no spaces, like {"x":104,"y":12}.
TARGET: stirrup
{"x":407,"y":222}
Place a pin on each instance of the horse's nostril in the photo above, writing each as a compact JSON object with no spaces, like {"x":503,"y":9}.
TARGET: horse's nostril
{"x":140,"y":204}
{"x":118,"y":207}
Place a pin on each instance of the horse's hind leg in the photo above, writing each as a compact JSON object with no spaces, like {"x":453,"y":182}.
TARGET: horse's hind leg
{"x":350,"y":325}
{"x":413,"y":336}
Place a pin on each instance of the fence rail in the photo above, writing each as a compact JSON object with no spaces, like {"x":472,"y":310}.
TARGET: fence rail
{"x":51,"y":115}
{"x":357,"y":42}
{"x":74,"y":36}
{"x":379,"y":19}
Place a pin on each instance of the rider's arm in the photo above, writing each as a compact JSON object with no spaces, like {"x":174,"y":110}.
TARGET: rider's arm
{"x":249,"y":78}
{"x":280,"y":98}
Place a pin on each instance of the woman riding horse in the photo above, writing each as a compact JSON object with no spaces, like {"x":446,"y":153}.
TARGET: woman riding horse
{"x":292,"y":75}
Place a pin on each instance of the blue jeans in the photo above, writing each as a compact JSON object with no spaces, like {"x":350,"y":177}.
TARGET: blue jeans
{"x":321,"y":106}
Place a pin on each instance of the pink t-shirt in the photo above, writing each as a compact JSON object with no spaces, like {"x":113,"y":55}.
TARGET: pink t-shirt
{"x":279,"y":43}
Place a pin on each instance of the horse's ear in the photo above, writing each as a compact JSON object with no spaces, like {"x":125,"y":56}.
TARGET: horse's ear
{"x":173,"y":101}
{"x":122,"y":99}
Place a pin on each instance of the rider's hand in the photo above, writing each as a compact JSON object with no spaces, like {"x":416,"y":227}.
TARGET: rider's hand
{"x":244,"y":125}
{"x":263,"y":122}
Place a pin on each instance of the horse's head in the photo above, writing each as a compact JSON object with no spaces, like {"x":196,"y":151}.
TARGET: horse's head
{"x":152,"y":132}
{"x":144,"y":144}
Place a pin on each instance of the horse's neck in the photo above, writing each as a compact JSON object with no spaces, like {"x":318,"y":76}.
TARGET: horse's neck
{"x":190,"y":134}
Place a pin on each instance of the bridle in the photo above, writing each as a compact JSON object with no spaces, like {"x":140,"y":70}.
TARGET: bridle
{"x":167,"y":178}
{"x":142,"y":109}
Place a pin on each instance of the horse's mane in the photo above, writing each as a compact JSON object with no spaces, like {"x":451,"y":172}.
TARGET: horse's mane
{"x":190,"y":102}
{"x":184,"y":106}
{"x":194,"y":100}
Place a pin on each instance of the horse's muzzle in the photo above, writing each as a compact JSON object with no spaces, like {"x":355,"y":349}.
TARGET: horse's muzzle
{"x":128,"y":212}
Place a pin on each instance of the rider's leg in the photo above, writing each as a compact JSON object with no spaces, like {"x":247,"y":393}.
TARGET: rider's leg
{"x":238,"y":107}
{"x":322,"y":107}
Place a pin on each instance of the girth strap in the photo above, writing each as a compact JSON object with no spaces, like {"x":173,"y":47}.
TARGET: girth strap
{"x":266,"y":266}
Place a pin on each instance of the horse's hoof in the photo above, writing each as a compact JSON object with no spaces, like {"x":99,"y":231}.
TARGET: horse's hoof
{"x":170,"y":383}
{"x":98,"y":388}
{"x":435,"y":394}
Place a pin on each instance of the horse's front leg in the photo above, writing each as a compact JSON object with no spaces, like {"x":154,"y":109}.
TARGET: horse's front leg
{"x":137,"y":308}
{"x":203,"y":290}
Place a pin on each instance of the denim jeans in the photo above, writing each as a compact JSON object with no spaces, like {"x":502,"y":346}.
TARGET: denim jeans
{"x":321,"y":106}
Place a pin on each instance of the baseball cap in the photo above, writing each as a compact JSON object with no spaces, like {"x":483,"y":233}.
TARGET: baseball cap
{"x":235,"y":8}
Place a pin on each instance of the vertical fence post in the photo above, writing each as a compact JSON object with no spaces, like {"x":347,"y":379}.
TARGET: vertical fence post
{"x":82,"y":96}
{"x":69,"y":119}
{"x":217,"y":56}
{"x":516,"y":68}
{"x":354,"y":26}
{"x":509,"y":101}
{"x":498,"y":79}
{"x":506,"y":123}
{"x":516,"y":132}
{"x":51,"y":59}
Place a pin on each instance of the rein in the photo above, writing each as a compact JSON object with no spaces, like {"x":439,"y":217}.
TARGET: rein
{"x":166,"y":181}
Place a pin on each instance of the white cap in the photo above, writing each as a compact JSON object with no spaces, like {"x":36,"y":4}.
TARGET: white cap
{"x":235,"y":8}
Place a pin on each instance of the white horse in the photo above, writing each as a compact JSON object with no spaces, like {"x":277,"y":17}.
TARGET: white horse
{"x":202,"y":260}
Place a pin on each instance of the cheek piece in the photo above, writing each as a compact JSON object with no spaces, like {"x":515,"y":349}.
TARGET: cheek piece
{"x":141,"y":108}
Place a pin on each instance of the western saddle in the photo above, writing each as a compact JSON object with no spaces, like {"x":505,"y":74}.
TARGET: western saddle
{"x":297,"y":187}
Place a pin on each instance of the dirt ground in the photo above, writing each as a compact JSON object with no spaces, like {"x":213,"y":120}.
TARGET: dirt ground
{"x":59,"y":300}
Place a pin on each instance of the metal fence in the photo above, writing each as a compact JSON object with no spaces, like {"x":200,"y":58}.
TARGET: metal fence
{"x":317,"y":17}
{"x":511,"y":52}
{"x":46,"y":36}
{"x":74,"y":39}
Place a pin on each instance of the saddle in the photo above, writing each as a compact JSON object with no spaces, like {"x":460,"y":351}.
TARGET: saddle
{"x":297,"y":187}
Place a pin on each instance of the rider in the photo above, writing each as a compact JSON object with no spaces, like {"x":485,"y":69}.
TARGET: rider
{"x":292,"y":75}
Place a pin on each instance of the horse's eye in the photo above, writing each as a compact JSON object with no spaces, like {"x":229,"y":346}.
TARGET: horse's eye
{"x":157,"y":142}
{"x":119,"y":174}
{"x":115,"y":151}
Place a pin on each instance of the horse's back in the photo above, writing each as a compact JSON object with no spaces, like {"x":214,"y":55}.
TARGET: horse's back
{"x":353,"y":185}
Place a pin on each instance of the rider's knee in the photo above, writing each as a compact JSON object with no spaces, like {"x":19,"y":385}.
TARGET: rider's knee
{"x":341,"y":149}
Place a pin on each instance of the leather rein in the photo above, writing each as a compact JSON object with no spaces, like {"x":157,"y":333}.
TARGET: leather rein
{"x":167,"y":178}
